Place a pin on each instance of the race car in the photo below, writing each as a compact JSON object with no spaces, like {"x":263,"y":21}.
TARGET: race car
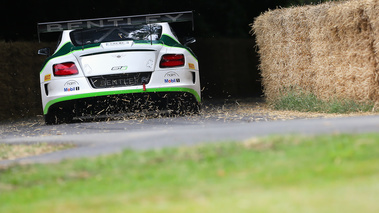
{"x":118,"y":64}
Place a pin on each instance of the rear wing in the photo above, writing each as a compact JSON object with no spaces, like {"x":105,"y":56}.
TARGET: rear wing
{"x":59,"y":26}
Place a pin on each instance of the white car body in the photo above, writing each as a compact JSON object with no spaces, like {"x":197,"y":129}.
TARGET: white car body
{"x":114,"y":68}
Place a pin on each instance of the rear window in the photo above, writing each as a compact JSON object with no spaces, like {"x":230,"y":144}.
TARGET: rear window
{"x":99,"y":35}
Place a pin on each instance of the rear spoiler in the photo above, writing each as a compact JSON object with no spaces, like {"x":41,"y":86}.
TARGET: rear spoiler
{"x":59,"y":26}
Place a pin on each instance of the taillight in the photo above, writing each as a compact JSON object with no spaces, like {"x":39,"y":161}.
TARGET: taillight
{"x":68,"y":68}
{"x":172,"y":60}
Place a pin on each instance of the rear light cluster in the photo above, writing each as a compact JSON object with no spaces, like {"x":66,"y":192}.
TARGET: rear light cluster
{"x":68,"y":68}
{"x":172,"y":60}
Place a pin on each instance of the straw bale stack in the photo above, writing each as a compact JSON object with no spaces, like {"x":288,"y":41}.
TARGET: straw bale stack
{"x":330,"y":50}
{"x":279,"y":33}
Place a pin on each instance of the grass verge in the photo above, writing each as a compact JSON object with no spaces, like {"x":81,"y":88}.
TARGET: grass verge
{"x":13,"y":151}
{"x":276,"y":174}
{"x":308,"y":102}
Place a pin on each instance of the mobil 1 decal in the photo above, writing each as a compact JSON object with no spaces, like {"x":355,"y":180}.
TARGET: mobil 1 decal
{"x":71,"y":86}
{"x":171,"y":77}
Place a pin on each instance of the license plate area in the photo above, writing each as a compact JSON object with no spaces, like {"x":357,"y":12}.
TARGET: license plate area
{"x":120,"y":80}
{"x":117,"y":44}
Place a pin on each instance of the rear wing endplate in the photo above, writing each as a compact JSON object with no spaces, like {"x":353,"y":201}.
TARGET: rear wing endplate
{"x":48,"y":27}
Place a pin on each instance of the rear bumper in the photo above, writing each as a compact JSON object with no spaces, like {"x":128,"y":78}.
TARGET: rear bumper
{"x":71,"y":90}
{"x":122,"y":99}
{"x":170,"y":99}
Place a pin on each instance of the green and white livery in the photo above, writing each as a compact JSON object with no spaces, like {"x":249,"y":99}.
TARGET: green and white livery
{"x":118,"y":63}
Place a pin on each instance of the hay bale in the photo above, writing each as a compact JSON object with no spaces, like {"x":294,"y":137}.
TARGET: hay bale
{"x":272,"y":40}
{"x":343,"y":56}
{"x":329,"y":50}
{"x":372,"y":11}
{"x":284,"y":49}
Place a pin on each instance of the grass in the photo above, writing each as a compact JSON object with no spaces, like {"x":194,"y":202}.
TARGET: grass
{"x":13,"y":151}
{"x":336,"y":173}
{"x":308,"y":102}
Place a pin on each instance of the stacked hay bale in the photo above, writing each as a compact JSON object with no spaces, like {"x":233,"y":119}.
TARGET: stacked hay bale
{"x":329,"y":50}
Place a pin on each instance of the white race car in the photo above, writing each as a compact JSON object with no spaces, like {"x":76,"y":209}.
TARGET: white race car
{"x":118,"y":64}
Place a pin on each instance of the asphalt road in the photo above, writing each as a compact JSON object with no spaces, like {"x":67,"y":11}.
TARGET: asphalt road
{"x":219,"y":123}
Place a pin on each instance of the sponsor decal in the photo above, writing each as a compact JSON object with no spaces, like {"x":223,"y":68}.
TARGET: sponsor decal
{"x":171,"y":77}
{"x":170,"y":81}
{"x":48,"y":77}
{"x":191,"y":66}
{"x":70,"y":89}
{"x":71,"y":83}
{"x":71,"y":86}
{"x":120,"y":68}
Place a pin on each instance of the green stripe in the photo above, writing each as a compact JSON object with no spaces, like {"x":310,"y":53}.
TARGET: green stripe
{"x":66,"y":49}
{"x":97,"y":94}
{"x":172,"y":42}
